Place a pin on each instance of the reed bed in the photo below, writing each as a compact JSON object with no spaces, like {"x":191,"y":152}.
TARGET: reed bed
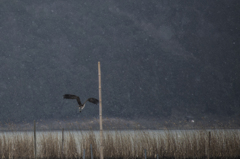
{"x":123,"y":144}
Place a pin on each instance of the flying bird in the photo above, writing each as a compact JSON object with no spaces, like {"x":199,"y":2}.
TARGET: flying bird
{"x":80,"y":105}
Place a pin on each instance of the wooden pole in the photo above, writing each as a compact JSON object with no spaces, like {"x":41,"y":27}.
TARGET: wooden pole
{"x":62,"y":141}
{"x":91,"y":151}
{"x":35,"y":141}
{"x":83,"y":154}
{"x":145,"y":153}
{"x":100,"y":110}
{"x":209,"y":144}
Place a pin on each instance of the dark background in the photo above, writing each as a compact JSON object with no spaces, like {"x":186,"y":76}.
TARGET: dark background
{"x":159,"y":58}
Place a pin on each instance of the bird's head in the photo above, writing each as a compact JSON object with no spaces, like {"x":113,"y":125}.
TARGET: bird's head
{"x":80,"y":109}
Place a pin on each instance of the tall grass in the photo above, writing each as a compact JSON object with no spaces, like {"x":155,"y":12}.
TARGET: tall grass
{"x":124,"y":144}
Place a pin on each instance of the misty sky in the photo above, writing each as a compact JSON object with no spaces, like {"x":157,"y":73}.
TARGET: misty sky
{"x":159,"y":58}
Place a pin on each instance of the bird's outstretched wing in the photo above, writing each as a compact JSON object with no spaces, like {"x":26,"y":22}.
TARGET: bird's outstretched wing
{"x":70,"y":96}
{"x":93,"y":100}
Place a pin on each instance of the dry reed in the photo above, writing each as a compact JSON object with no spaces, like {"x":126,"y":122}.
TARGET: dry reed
{"x":124,"y":144}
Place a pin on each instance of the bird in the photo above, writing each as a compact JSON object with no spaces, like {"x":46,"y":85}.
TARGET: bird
{"x":80,"y":105}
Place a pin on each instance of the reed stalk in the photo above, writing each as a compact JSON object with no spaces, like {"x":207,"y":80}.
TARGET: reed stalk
{"x":123,"y":144}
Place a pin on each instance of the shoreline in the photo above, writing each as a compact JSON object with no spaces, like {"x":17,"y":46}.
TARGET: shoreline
{"x":121,"y":124}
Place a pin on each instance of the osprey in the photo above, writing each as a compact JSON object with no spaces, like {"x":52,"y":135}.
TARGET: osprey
{"x":80,"y":105}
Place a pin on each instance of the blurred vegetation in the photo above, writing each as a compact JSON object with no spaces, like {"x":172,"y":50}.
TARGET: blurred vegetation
{"x":124,"y":144}
{"x":156,"y":57}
